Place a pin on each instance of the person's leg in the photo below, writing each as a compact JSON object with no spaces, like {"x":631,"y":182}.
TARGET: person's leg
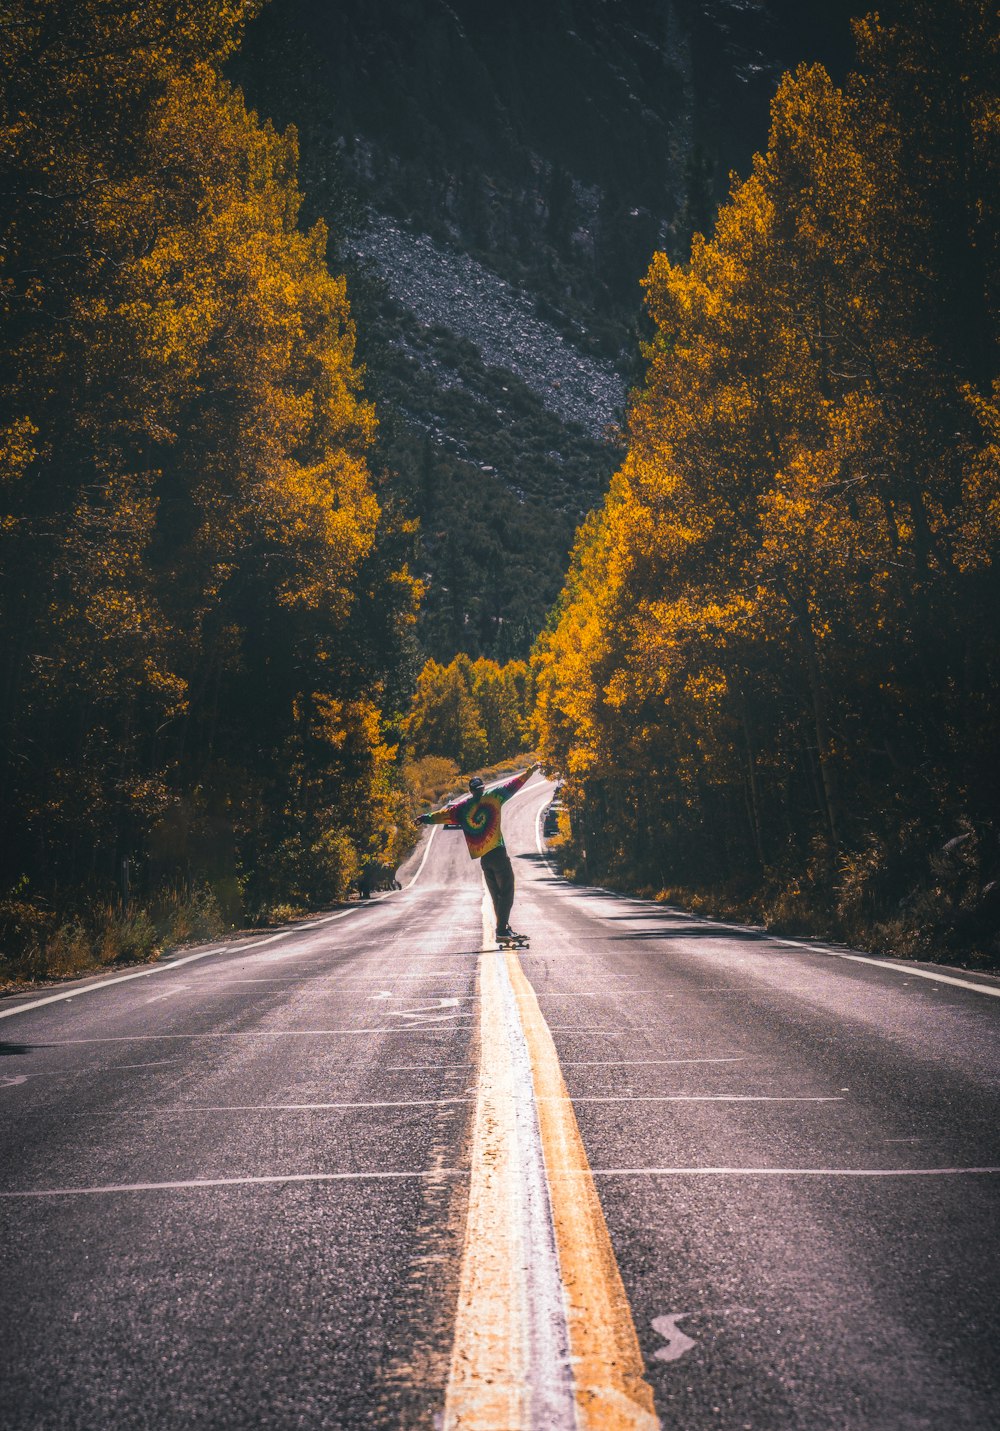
{"x":504,"y":900}
{"x":491,"y":876}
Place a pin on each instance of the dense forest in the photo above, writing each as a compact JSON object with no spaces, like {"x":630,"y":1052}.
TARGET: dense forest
{"x":268,"y":540}
{"x":772,"y":676}
{"x":205,"y":605}
{"x":477,"y":712}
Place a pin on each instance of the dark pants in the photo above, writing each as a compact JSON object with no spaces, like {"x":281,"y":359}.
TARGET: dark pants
{"x":499,"y":875}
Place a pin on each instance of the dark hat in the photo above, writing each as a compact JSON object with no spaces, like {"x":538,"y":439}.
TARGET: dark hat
{"x":477,"y":785}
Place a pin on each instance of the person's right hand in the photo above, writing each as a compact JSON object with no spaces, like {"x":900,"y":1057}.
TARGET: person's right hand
{"x":423,"y":819}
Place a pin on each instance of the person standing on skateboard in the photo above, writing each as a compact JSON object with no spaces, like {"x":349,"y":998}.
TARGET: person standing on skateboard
{"x":477,"y":815}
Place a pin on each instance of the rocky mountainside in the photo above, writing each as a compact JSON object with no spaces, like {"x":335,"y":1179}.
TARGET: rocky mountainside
{"x":496,"y":178}
{"x":444,"y":288}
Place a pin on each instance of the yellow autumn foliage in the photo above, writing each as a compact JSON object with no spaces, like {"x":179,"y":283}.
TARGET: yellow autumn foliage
{"x":777,"y":641}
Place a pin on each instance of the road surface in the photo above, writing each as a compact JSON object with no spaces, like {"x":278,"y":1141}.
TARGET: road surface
{"x":330,"y":1176}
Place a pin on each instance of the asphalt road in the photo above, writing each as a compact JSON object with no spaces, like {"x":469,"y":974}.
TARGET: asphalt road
{"x":235,"y":1187}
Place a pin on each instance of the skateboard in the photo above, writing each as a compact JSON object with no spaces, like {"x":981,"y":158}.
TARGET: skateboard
{"x":515,"y":941}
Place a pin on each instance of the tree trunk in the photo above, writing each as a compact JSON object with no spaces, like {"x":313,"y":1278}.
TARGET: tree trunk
{"x":821,"y":723}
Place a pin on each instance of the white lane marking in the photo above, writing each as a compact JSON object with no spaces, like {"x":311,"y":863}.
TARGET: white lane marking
{"x":896,"y":968}
{"x":702,"y":1098}
{"x":359,"y":984}
{"x":420,"y":866}
{"x":677,"y":1342}
{"x":274,"y":1107}
{"x":246,"y":1033}
{"x":407,"y":1067}
{"x":787,"y":1172}
{"x":12,"y":1080}
{"x":595,"y":1028}
{"x":435,"y":1102}
{"x":584,"y":993}
{"x":169,"y":993}
{"x":105,"y":984}
{"x":640,"y":1062}
{"x":113,"y":1068}
{"x":428,"y":1014}
{"x":237,"y":1182}
{"x":443,"y":1001}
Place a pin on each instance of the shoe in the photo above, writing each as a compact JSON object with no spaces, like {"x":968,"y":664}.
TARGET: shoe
{"x":510,"y":934}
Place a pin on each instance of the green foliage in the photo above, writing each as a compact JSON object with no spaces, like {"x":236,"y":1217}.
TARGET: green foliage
{"x":773,"y":670}
{"x":430,"y":778}
{"x":473,"y":712}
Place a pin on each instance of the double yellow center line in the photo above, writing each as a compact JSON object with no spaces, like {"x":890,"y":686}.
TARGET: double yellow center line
{"x":544,"y":1336}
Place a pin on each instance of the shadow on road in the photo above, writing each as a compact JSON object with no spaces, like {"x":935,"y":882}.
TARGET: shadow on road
{"x":692,"y":931}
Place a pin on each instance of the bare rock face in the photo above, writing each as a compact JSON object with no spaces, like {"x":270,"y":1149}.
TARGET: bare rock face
{"x":448,"y":288}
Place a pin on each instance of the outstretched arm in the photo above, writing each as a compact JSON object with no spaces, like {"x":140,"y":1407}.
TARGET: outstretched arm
{"x":444,"y":816}
{"x":512,"y":786}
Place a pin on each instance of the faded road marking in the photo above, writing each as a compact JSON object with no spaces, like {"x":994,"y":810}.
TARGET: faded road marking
{"x":428,"y":1013}
{"x":701,"y":1098}
{"x":569,"y":1172}
{"x":640,"y":1062}
{"x":246,"y":1033}
{"x":677,"y":1342}
{"x":272,"y":1107}
{"x":169,"y":993}
{"x":275,"y":1178}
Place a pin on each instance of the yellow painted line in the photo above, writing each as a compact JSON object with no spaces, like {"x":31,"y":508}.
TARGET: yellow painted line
{"x":487,"y":1380}
{"x":612,"y":1393}
{"x":544,"y":1337}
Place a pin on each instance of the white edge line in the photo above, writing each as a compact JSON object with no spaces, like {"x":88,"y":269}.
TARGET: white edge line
{"x":162,"y":968}
{"x":905,"y":969}
{"x":423,"y":861}
{"x":237,"y":1182}
{"x":107,"y":983}
{"x":539,"y":842}
{"x":439,"y":1102}
{"x":896,"y":968}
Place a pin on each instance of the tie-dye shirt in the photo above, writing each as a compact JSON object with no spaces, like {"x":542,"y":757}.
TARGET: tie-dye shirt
{"x":479,"y":818}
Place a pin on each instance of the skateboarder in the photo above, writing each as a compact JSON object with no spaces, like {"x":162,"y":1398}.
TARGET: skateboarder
{"x":477,"y":815}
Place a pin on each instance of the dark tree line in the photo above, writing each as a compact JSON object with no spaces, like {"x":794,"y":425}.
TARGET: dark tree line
{"x":203,"y":601}
{"x":773,"y":674}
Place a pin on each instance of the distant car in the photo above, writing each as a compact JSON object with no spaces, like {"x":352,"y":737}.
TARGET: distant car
{"x":550,"y":825}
